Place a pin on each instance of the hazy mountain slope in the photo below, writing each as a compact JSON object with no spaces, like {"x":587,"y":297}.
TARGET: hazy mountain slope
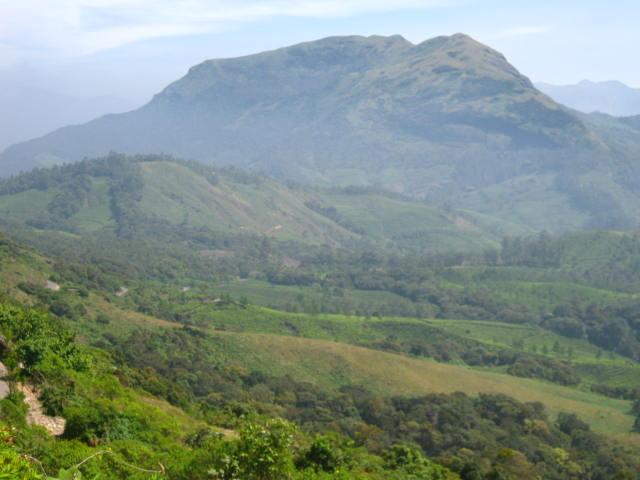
{"x":614,"y":98}
{"x":400,"y":224}
{"x":633,"y":122}
{"x":449,"y":120}
{"x":337,"y":102}
{"x":29,"y":112}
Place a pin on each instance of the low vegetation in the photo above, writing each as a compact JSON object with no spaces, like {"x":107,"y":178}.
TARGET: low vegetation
{"x":255,"y":355}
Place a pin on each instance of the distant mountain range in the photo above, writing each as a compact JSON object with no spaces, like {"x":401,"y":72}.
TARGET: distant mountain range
{"x":613,"y":98}
{"x":448,"y":120}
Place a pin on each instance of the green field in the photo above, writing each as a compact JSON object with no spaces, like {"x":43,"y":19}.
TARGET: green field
{"x":260,"y":292}
{"x":331,"y":364}
{"x":323,"y":349}
{"x":528,"y":338}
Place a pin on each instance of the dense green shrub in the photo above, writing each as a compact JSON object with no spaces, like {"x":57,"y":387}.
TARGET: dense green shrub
{"x":13,"y":465}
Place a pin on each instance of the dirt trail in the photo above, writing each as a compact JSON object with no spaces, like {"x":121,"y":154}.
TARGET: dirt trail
{"x":53,"y":286}
{"x":4,"y":386}
{"x":36,"y":416}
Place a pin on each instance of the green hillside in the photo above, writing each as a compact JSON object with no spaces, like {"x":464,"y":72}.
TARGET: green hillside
{"x":180,"y":196}
{"x":328,"y":350}
{"x":401,"y":224}
{"x":387,"y":337}
{"x":206,"y":370}
{"x":191,"y":197}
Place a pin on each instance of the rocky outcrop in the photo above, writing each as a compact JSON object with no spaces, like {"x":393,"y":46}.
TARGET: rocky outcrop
{"x":36,"y":415}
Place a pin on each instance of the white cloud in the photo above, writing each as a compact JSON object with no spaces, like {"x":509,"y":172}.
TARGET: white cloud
{"x":78,"y":27}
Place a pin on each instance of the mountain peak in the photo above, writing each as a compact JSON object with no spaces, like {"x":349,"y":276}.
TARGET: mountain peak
{"x":462,"y":38}
{"x":459,"y":40}
{"x":313,"y":106}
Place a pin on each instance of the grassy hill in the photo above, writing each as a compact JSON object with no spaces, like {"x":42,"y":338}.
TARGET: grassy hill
{"x":187,"y":196}
{"x":335,"y":364}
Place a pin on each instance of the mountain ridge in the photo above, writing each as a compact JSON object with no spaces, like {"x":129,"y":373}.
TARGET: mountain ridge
{"x":448,"y":120}
{"x":33,"y":111}
{"x":439,"y":61}
{"x":610,"y":97}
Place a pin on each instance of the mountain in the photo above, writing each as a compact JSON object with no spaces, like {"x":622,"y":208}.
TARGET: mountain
{"x":633,"y":122}
{"x":31,"y":111}
{"x":448,"y":120}
{"x":614,"y":98}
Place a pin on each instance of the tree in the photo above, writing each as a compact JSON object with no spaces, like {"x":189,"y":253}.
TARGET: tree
{"x":408,"y":459}
{"x":264,"y":450}
{"x":323,"y":455}
{"x":570,"y":423}
{"x":511,"y":464}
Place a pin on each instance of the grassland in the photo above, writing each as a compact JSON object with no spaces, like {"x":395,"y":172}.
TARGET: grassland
{"x":263,"y":293}
{"x":306,"y":347}
{"x":331,"y":351}
{"x":25,"y":205}
{"x":18,"y":266}
{"x":332,"y":364}
{"x":593,"y":365}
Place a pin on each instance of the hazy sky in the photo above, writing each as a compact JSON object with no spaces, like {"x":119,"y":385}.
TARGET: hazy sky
{"x":133,"y":48}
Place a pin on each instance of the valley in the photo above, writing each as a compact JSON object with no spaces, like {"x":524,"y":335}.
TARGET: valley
{"x":290,"y":320}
